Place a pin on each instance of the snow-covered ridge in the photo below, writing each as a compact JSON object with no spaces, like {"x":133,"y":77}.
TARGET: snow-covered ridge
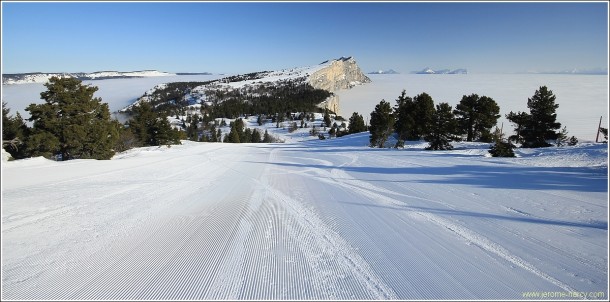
{"x":38,"y":77}
{"x":330,"y":75}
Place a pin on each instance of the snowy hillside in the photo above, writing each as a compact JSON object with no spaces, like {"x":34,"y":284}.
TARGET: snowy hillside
{"x":25,"y":78}
{"x":310,"y":219}
{"x":330,"y":75}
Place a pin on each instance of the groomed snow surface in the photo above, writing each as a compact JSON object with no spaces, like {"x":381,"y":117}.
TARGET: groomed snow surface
{"x":310,"y":219}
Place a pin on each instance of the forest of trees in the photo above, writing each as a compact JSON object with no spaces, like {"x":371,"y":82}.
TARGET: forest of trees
{"x":419,"y":118}
{"x":472,"y":120}
{"x":291,"y":95}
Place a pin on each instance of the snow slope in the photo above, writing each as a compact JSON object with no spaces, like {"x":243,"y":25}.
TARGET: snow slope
{"x":310,"y":219}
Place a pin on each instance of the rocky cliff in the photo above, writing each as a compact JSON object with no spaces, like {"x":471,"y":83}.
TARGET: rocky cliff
{"x":342,"y":73}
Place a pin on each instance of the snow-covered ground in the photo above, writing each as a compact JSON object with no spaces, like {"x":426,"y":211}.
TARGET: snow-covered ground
{"x":309,"y":219}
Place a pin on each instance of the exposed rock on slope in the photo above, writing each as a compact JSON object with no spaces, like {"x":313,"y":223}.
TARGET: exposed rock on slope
{"x":342,"y":73}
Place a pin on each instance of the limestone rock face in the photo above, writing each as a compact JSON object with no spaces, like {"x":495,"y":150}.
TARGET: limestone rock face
{"x":342,"y":73}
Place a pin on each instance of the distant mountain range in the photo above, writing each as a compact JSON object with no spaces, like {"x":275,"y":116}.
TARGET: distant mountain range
{"x":428,"y":70}
{"x":39,"y":77}
{"x":389,"y":71}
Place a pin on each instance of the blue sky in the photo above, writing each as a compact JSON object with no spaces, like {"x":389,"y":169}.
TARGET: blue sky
{"x":246,"y":37}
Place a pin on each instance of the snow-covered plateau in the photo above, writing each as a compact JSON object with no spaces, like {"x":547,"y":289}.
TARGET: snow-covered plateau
{"x":308,"y":219}
{"x":39,"y":77}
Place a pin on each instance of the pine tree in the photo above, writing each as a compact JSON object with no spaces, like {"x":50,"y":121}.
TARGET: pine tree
{"x":405,"y":120}
{"x":502,"y":149}
{"x":423,"y":115}
{"x":14,"y":133}
{"x":476,"y":116}
{"x":71,"y":123}
{"x":267,"y":138}
{"x":152,"y":128}
{"x":521,"y":120}
{"x":163,"y":133}
{"x":256,"y":136}
{"x":443,"y":128}
{"x":213,"y":134}
{"x":542,"y":123}
{"x":382,"y":123}
{"x":247,"y":136}
{"x":240,"y":129}
{"x":233,"y":136}
{"x":356,"y":123}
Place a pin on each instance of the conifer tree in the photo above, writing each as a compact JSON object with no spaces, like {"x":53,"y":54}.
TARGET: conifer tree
{"x":476,"y":116}
{"x":405,"y":117}
{"x":442,"y":129}
{"x":543,"y":120}
{"x":520,"y":120}
{"x":71,"y":123}
{"x":213,"y":134}
{"x":356,"y":123}
{"x":382,"y":123}
{"x":240,"y":129}
{"x":152,"y":128}
{"x":14,"y":133}
{"x":256,"y":136}
{"x":502,"y":149}
{"x":423,"y":112}
{"x":233,"y":136}
{"x":247,"y":136}
{"x":267,"y":138}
